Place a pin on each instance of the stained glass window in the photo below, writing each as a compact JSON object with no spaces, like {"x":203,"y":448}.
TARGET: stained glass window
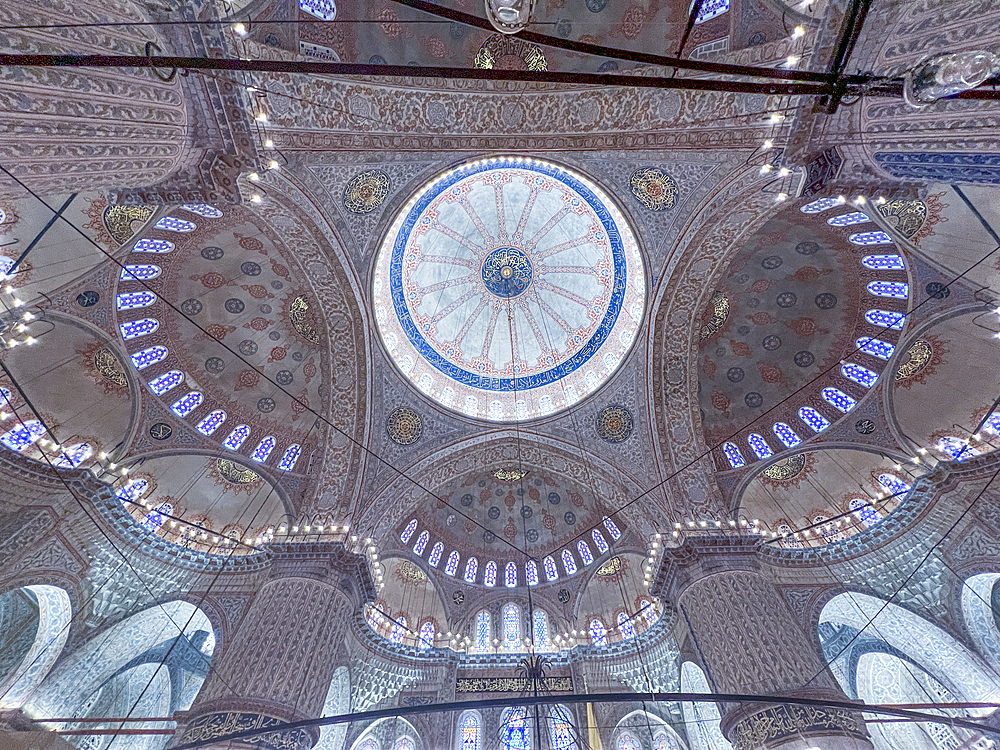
{"x":140,"y":272}
{"x":511,"y":617}
{"x":894,"y":484}
{"x":291,"y":456}
{"x":212,"y":422}
{"x":531,"y":573}
{"x":484,"y":632}
{"x":628,"y":742}
{"x":470,"y":731}
{"x":510,"y":575}
{"x":895,"y":289}
{"x":236,"y":437}
{"x":149,"y":356}
{"x":263,"y":450}
{"x":73,"y":456}
{"x":403,"y":743}
{"x":418,"y":548}
{"x":993,"y":423}
{"x":136,"y":328}
{"x":451,"y":567}
{"x":427,"y":634}
{"x":864,"y":512}
{"x":598,"y":633}
{"x":435,"y":557}
{"x":5,"y":263}
{"x":471,"y":566}
{"x":886,"y":319}
{"x":887,"y":262}
{"x":813,"y":418}
{"x":398,"y":630}
{"x":786,"y":435}
{"x":568,"y":562}
{"x":648,"y":611}
{"x":870,"y":238}
{"x":202,"y":209}
{"x":540,"y":622}
{"x":156,"y":517}
{"x":408,"y":531}
{"x":186,"y":404}
{"x":323,"y":9}
{"x":515,"y":733}
{"x":820,"y":205}
{"x":839,"y":399}
{"x":166,"y":381}
{"x":132,"y":491}
{"x":759,"y":446}
{"x":133,"y":300}
{"x":846,"y":220}
{"x":957,"y":448}
{"x":664,"y":741}
{"x":5,"y":397}
{"x":711,"y":9}
{"x":490,"y":574}
{"x":550,"y":568}
{"x":561,"y":730}
{"x":599,"y":541}
{"x":734,"y":455}
{"x":860,"y":375}
{"x":875,"y":347}
{"x":612,"y":529}
{"x":172,"y":224}
{"x":584,"y":551}
{"x":625,"y":626}
{"x":153,"y":246}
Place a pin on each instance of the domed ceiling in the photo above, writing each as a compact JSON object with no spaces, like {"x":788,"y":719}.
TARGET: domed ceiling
{"x":509,"y":289}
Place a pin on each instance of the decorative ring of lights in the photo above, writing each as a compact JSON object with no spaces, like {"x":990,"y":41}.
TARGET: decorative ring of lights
{"x":505,"y":257}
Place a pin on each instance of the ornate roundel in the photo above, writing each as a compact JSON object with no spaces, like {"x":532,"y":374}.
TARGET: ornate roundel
{"x":404,"y":426}
{"x":509,"y":289}
{"x":786,"y":468}
{"x":914,"y":359}
{"x":653,"y":188}
{"x":88,"y":298}
{"x":614,"y":424}
{"x":366,"y":191}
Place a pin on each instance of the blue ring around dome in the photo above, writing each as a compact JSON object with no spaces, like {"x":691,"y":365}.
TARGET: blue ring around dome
{"x":528,"y":382}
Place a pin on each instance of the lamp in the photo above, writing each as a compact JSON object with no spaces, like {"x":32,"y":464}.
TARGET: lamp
{"x":509,"y":16}
{"x":947,"y":75}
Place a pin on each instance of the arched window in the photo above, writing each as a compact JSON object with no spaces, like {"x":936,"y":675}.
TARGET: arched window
{"x":894,"y":484}
{"x":627,"y":741}
{"x":263,"y":450}
{"x":870,"y":238}
{"x":490,"y":574}
{"x":550,"y":568}
{"x":701,"y":718}
{"x":599,"y":541}
{"x":172,"y":224}
{"x":166,"y":382}
{"x":894,"y":289}
{"x":561,"y":730}
{"x":203,"y":209}
{"x":664,"y":741}
{"x":132,"y":491}
{"x":427,"y":634}
{"x":398,"y":630}
{"x":839,"y":399}
{"x":408,"y":531}
{"x":612,"y":529}
{"x":625,"y":626}
{"x":958,"y":448}
{"x":884,"y":262}
{"x":133,"y":300}
{"x":540,"y":629}
{"x":734,"y":455}
{"x":759,"y":445}
{"x":847,"y":220}
{"x":510,"y":615}
{"x":510,"y":575}
{"x":710,"y":9}
{"x":291,"y":456}
{"x":149,"y":356}
{"x":212,"y":422}
{"x":820,"y":205}
{"x":421,"y":544}
{"x":237,"y":437}
{"x":584,"y":551}
{"x":874,"y":347}
{"x":568,"y":562}
{"x":136,"y":328}
{"x":451,"y":567}
{"x":74,"y":456}
{"x":153,"y":246}
{"x":435,"y":556}
{"x":864,"y":512}
{"x":598,"y":633}
{"x":886,"y":319}
{"x":139,"y":272}
{"x":325,"y":10}
{"x":515,"y":733}
{"x":186,"y":404}
{"x":470,"y":731}
{"x":993,"y":423}
{"x":471,"y":567}
{"x":531,"y":572}
{"x":816,"y":421}
{"x":484,"y":632}
{"x":788,"y":537}
{"x":403,"y":743}
{"x":860,"y":375}
{"x":155,"y":518}
{"x":786,"y":435}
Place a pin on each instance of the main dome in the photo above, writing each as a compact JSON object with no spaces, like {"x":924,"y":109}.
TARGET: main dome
{"x":508,"y":289}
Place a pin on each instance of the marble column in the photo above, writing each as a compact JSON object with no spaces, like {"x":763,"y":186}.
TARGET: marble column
{"x":753,"y":643}
{"x":280,"y":661}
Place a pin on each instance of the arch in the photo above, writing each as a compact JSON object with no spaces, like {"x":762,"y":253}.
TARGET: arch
{"x":562,"y":734}
{"x":484,"y":632}
{"x":650,"y":730}
{"x":515,"y":734}
{"x":470,"y":731}
{"x":701,"y":719}
{"x":54,"y":617}
{"x":338,"y":701}
{"x":979,"y":594}
{"x":510,"y":619}
{"x":540,"y":629}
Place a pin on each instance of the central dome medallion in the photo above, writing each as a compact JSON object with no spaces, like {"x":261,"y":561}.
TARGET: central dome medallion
{"x":508,"y":289}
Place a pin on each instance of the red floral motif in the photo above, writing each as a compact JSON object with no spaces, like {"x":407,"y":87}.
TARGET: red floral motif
{"x":534,"y":494}
{"x":510,"y":530}
{"x":509,"y":501}
{"x":484,"y":496}
{"x":709,"y":368}
{"x":299,"y":406}
{"x":257,"y":324}
{"x":808,"y":273}
{"x":762,"y":318}
{"x":803,"y":326}
{"x":549,"y":521}
{"x":211,"y":280}
{"x":470,"y":526}
{"x":252,"y":244}
{"x":278,"y":353}
{"x":577,"y":499}
{"x":760,"y":285}
{"x":391,"y":26}
{"x":309,"y":370}
{"x":434,"y":46}
{"x":280,"y":270}
{"x":721,"y":402}
{"x":740,"y":348}
{"x":257,"y":291}
{"x":770,"y":373}
{"x":218,"y":331}
{"x":247,"y":379}
{"x":633,"y":21}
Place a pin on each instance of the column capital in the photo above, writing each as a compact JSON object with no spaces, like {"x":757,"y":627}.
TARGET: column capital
{"x":329,"y":562}
{"x":702,"y":555}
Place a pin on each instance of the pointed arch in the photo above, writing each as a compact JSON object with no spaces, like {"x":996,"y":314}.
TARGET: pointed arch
{"x":701,"y":719}
{"x":54,"y":615}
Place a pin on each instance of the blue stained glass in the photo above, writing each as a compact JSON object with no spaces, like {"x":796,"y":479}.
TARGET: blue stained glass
{"x":490,"y":574}
{"x":813,"y":418}
{"x":993,"y":423}
{"x":870,"y":238}
{"x":510,"y":615}
{"x":166,"y":381}
{"x":711,"y":9}
{"x":875,"y":347}
{"x":421,"y":545}
{"x":894,"y":289}
{"x":398,"y":630}
{"x":510,"y":575}
{"x":435,"y":557}
{"x":568,"y":562}
{"x":560,"y":729}
{"x":541,"y":630}
{"x":203,"y":209}
{"x":860,"y":375}
{"x":823,"y":204}
{"x":427,"y":634}
{"x":186,"y":404}
{"x":5,"y":397}
{"x":664,"y":741}
{"x":149,"y":356}
{"x":470,"y":732}
{"x":628,"y":742}
{"x":625,"y":626}
{"x":957,"y":448}
{"x":236,"y":437}
{"x":140,"y":272}
{"x":846,"y":220}
{"x":786,"y":435}
{"x":865,"y":512}
{"x":471,"y":568}
{"x":323,"y":9}
{"x":263,"y":450}
{"x":172,"y":224}
{"x":136,"y":328}
{"x":584,"y":551}
{"x":734,"y":455}
{"x":886,"y":319}
{"x":484,"y":633}
{"x":839,"y":399}
{"x":153,"y":246}
{"x":288,"y":460}
{"x":550,"y":568}
{"x":598,"y":633}
{"x":73,"y":456}
{"x":403,"y":743}
{"x":516,"y":733}
{"x":155,"y":518}
{"x":894,"y":484}
{"x":612,"y":529}
{"x":133,"y":300}
{"x":451,"y":567}
{"x":531,"y":573}
{"x":5,"y":263}
{"x":599,"y":541}
{"x":212,"y":422}
{"x":884,"y":262}
{"x":408,"y":531}
{"x":759,"y":445}
{"x":132,"y":491}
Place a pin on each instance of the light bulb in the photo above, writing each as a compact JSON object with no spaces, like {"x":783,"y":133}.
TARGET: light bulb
{"x":797,"y":32}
